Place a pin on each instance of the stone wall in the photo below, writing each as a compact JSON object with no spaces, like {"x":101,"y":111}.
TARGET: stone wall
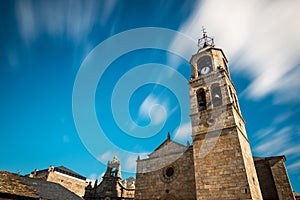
{"x":73,"y":184}
{"x":162,"y":183}
{"x":274,"y":181}
{"x":221,"y":174}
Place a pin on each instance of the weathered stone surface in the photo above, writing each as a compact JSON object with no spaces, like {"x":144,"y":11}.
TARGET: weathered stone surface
{"x":63,"y":176}
{"x":273,"y":178}
{"x":221,"y":158}
{"x":111,"y":187}
{"x":161,"y":183}
{"x":223,"y":162}
{"x":14,"y":186}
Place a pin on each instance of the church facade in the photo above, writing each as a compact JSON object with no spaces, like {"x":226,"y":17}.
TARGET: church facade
{"x":219,"y":164}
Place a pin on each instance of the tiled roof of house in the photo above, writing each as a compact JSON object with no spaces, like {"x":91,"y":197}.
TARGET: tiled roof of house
{"x":11,"y":185}
{"x":61,"y":169}
{"x":14,"y":185}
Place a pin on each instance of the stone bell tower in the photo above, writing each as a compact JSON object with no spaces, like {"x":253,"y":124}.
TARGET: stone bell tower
{"x":224,"y":167}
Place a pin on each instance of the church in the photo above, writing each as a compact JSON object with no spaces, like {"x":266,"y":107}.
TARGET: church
{"x":219,"y":164}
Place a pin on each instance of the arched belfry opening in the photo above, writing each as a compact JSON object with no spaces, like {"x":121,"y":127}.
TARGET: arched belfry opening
{"x":201,"y":99}
{"x":216,"y":95}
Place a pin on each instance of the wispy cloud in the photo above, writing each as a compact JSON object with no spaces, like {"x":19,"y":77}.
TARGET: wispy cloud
{"x":152,"y":106}
{"x":283,"y":140}
{"x":282,"y":117}
{"x":294,"y":167}
{"x":73,"y":19}
{"x":184,"y":132}
{"x":93,"y":177}
{"x":277,"y":139}
{"x":108,"y":155}
{"x":130,"y":163}
{"x":262,"y":38}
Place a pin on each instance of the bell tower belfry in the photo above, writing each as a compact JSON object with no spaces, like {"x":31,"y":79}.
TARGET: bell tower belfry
{"x":223,"y":162}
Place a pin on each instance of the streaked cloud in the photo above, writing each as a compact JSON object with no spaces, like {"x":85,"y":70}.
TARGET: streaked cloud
{"x":154,"y":107}
{"x":74,"y":19}
{"x":260,"y":37}
{"x":108,"y":155}
{"x":294,"y":167}
{"x":279,"y":142}
{"x":278,"y":139}
{"x":184,"y":132}
{"x":130,"y":163}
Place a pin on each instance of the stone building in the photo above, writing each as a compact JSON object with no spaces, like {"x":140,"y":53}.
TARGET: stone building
{"x":14,"y":186}
{"x":112,"y":186}
{"x":63,"y":176}
{"x":219,"y":164}
{"x":273,"y":178}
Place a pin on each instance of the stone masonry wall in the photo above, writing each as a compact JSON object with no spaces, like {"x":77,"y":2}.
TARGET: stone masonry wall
{"x":153,"y":185}
{"x":221,"y":174}
{"x":249,"y":166}
{"x":73,"y":184}
{"x":282,"y":183}
{"x":266,"y":181}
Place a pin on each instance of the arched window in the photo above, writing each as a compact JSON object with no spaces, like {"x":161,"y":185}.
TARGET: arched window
{"x":113,"y":172}
{"x":216,"y":95}
{"x":201,"y":99}
{"x":204,"y":65}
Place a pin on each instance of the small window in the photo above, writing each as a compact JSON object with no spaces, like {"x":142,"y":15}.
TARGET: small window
{"x":216,"y":95}
{"x":170,"y":171}
{"x":113,"y":172}
{"x":201,"y":99}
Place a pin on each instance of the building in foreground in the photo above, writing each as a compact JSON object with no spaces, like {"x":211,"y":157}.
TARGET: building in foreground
{"x":63,"y":176}
{"x":14,"y":186}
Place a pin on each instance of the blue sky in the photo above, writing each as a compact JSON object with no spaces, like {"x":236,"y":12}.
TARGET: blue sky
{"x":46,"y":44}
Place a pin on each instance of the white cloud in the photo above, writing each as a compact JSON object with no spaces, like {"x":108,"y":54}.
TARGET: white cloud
{"x":261,"y":37}
{"x":93,"y":177}
{"x":130,"y":163}
{"x":153,"y":107}
{"x":105,"y":157}
{"x":281,"y":139}
{"x":292,"y":151}
{"x":294,"y":167}
{"x":282,"y":117}
{"x":100,"y":176}
{"x":26,"y":19}
{"x":147,"y":103}
{"x":184,"y":132}
{"x":263,"y":133}
{"x":59,"y":18}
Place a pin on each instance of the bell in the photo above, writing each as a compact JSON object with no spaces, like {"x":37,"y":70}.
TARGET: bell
{"x":217,"y":96}
{"x":201,"y":103}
